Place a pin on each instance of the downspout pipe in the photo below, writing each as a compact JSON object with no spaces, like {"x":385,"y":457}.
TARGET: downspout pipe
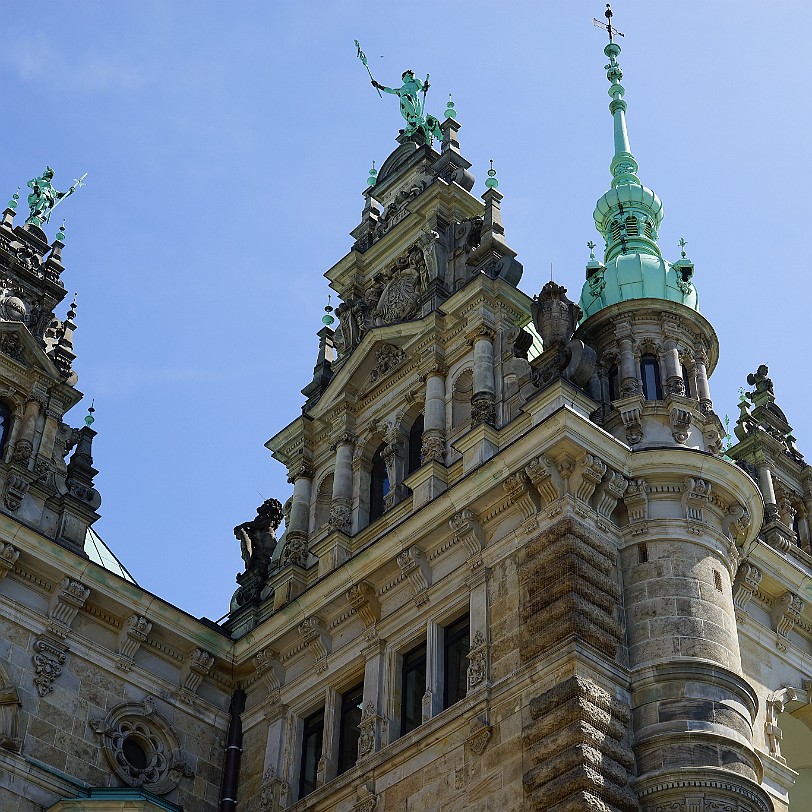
{"x":233,"y":753}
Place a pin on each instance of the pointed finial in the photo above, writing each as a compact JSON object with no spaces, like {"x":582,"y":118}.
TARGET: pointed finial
{"x":682,"y":244}
{"x":90,"y":420}
{"x":12,"y":204}
{"x":72,"y":311}
{"x":327,"y":319}
{"x":373,"y":176}
{"x":60,"y":235}
{"x":591,"y":246}
{"x":450,"y":112}
{"x":491,"y":182}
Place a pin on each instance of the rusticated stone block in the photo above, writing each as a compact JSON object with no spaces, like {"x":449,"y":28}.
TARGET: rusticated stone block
{"x":569,"y":589}
{"x":578,"y":758}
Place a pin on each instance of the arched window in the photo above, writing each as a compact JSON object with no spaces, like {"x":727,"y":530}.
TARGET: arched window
{"x":461,"y":394}
{"x":650,"y":376}
{"x":5,"y":426}
{"x":415,"y":442}
{"x":378,"y":485}
{"x":686,"y":380}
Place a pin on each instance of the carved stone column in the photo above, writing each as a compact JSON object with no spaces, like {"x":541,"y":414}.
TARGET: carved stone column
{"x":371,"y":717}
{"x":629,"y":379}
{"x":341,"y":505}
{"x":673,"y":370}
{"x":433,"y":445}
{"x":302,"y":481}
{"x":483,"y":400}
{"x":702,"y":386}
{"x":25,"y":441}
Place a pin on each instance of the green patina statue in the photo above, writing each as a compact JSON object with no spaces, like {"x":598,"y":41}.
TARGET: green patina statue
{"x":412,"y":107}
{"x":44,"y":198}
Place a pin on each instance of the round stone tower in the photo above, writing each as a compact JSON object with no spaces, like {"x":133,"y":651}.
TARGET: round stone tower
{"x":689,"y":511}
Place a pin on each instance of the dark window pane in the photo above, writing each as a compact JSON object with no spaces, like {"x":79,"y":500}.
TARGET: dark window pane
{"x":412,"y":689}
{"x":650,"y":375}
{"x":378,"y":485}
{"x":415,"y":441}
{"x":614,"y":383}
{"x":5,"y":425}
{"x":352,"y":703}
{"x":456,"y":646}
{"x":686,"y":379}
{"x":311,"y":752}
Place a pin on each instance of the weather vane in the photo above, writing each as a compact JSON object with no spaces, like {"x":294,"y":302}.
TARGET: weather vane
{"x":682,"y":243}
{"x":607,"y":26}
{"x":412,"y":107}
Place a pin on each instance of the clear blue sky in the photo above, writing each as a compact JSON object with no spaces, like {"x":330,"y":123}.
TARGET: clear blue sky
{"x":227,"y":145}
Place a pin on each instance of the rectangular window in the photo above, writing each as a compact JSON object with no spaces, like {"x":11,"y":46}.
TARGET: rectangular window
{"x":413,"y":686}
{"x":352,"y":703}
{"x":650,"y":376}
{"x":312,"y":738}
{"x":456,"y":645}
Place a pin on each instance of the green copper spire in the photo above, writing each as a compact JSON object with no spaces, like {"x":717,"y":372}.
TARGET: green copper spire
{"x":628,"y":216}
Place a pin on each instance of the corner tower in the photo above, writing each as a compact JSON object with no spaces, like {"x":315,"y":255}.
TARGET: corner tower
{"x":38,"y":384}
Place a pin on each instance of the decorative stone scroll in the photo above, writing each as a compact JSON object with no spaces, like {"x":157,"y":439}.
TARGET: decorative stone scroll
{"x":364,"y":602}
{"x":413,"y":565}
{"x":316,"y":638}
{"x":66,"y":601}
{"x":517,"y":489}
{"x":784,"y":699}
{"x":747,"y":581}
{"x":546,"y":479}
{"x":196,"y":667}
{"x":785,"y":614}
{"x":132,"y":635}
{"x":696,"y":494}
{"x":680,"y":420}
{"x":8,"y":558}
{"x":469,"y":531}
{"x":269,"y":669}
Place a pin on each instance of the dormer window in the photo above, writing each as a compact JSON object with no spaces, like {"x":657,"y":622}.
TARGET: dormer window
{"x":650,"y":377}
{"x":378,"y":484}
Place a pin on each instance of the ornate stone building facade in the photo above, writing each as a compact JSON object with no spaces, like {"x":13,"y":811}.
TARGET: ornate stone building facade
{"x":522,"y":566}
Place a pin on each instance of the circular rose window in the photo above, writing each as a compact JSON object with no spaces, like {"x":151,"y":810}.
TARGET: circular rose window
{"x":142,"y":748}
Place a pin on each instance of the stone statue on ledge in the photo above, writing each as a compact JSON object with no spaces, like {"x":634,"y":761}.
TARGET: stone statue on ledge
{"x":44,"y":198}
{"x":257,"y":538}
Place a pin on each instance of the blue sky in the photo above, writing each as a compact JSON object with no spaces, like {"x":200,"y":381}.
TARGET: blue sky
{"x":227,"y":146}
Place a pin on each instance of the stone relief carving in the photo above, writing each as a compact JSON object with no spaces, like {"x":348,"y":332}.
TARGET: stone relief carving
{"x":387,"y":358}
{"x":160,"y":764}
{"x":364,"y":601}
{"x":49,"y":657}
{"x":478,"y":661}
{"x":9,"y":715}
{"x":197,"y":666}
{"x":367,"y":726}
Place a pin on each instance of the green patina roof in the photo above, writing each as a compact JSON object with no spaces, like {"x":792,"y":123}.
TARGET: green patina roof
{"x":636,"y":276}
{"x":628,"y":216}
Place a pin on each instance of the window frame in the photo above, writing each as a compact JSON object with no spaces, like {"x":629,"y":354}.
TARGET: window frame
{"x":451,"y":637}
{"x":347,"y":706}
{"x":311,"y":727}
{"x":649,"y":360}
{"x":409,"y":668}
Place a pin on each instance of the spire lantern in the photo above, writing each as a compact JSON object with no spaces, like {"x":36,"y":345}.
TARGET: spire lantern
{"x":628,"y":216}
